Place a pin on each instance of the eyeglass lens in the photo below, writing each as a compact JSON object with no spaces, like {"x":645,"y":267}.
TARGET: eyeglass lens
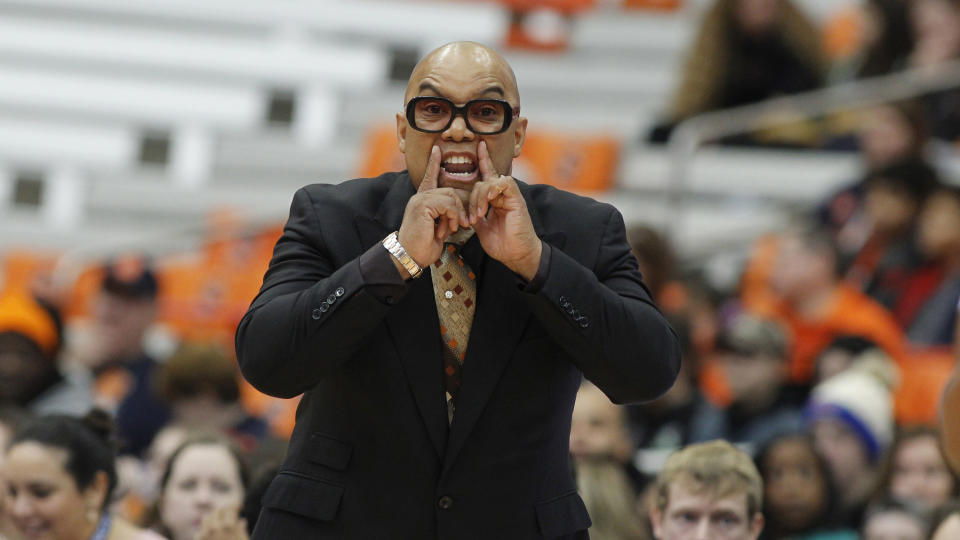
{"x":482,"y":116}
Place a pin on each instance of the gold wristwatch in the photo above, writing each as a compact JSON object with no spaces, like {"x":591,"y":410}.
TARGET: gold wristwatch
{"x":392,"y":243}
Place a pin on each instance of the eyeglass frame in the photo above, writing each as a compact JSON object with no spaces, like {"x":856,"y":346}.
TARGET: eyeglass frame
{"x":511,"y":113}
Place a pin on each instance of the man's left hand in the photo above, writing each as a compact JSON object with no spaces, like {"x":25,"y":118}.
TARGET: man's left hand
{"x":500,"y":218}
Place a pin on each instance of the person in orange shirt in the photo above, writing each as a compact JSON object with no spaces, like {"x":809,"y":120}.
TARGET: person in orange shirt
{"x":807,"y":296}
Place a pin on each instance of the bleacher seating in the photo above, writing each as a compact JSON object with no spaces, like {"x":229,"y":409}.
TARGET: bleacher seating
{"x":90,"y":81}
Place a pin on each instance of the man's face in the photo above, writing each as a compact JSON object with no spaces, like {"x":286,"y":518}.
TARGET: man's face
{"x":460,"y":73}
{"x":121,"y":323}
{"x":696,"y":515}
{"x":23,"y":369}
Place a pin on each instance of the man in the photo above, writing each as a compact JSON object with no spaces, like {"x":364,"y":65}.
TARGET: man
{"x":124,"y":309}
{"x":709,"y":491}
{"x":30,"y":378}
{"x":753,"y":355}
{"x":406,"y":429}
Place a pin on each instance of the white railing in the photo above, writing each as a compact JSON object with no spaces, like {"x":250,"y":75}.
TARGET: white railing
{"x":694,"y":132}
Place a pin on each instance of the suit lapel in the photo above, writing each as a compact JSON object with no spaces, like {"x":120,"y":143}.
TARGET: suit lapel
{"x":498,"y":326}
{"x":413,"y":323}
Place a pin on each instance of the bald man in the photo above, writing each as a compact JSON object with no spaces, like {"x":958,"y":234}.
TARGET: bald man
{"x":438,"y":321}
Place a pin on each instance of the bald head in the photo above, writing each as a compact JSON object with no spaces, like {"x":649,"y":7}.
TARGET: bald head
{"x":461,"y":73}
{"x":471,"y":60}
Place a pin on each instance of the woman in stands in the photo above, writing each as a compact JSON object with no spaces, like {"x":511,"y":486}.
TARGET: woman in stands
{"x":201,"y":492}
{"x":799,"y":499}
{"x":916,"y":470}
{"x":747,"y":51}
{"x":60,"y":473}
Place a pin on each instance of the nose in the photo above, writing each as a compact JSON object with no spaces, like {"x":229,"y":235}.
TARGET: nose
{"x":702,"y":531}
{"x":19,"y":506}
{"x":203,"y":497}
{"x":458,"y":130}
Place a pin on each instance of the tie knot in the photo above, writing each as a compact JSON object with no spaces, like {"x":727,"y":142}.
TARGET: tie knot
{"x":460,"y":237}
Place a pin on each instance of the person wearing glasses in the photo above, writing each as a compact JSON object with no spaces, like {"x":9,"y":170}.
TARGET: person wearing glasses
{"x":439,"y":321}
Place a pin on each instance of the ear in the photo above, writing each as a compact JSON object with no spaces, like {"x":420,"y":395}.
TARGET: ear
{"x":519,"y":135}
{"x":756,"y":526}
{"x":401,"y":133}
{"x":656,"y":520}
{"x":95,"y":494}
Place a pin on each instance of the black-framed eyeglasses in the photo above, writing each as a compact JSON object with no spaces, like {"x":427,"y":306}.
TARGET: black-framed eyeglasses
{"x":432,"y":114}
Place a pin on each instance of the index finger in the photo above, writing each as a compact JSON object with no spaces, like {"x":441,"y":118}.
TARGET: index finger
{"x":487,"y":170}
{"x":433,"y":171}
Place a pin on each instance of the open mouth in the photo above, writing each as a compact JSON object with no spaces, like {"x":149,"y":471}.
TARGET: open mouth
{"x":460,"y":167}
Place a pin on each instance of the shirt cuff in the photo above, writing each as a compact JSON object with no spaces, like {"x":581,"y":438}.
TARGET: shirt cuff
{"x":543,"y":271}
{"x":380,"y":276}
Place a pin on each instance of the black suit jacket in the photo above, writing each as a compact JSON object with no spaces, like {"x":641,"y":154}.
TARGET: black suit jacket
{"x":372,"y":455}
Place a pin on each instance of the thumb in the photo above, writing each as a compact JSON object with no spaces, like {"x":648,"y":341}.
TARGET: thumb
{"x":433,"y":171}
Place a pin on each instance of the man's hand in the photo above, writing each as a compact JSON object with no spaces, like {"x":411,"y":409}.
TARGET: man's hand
{"x":506,"y":232}
{"x":432,"y":215}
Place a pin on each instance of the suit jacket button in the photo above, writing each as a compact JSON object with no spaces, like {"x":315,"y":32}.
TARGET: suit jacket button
{"x":316,"y":314}
{"x":445,"y":502}
{"x":323,"y":308}
{"x":331,"y":299}
{"x":584,"y":322}
{"x":339,"y":291}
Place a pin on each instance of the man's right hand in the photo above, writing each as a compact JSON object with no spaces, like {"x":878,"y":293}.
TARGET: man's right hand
{"x":432,"y":214}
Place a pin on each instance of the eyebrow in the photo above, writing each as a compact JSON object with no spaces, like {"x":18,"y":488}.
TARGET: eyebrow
{"x":495,"y":89}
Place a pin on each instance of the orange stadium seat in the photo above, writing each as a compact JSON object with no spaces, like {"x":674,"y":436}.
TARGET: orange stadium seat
{"x":19,"y":269}
{"x":579,"y":162}
{"x":917,"y":399}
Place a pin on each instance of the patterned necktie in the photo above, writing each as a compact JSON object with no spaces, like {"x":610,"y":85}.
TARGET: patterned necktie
{"x":455,"y":290}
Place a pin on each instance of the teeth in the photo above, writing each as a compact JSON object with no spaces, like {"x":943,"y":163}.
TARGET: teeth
{"x":463,"y":174}
{"x":458,"y":159}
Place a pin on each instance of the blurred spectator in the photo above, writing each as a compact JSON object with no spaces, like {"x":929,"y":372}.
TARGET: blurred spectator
{"x":682,"y":415}
{"x":916,"y":470}
{"x":886,"y":41}
{"x":753,"y":354}
{"x":138,"y":480}
{"x":708,"y":490}
{"x":888,"y":135}
{"x":607,"y":480}
{"x":598,"y":427}
{"x":927,"y":306}
{"x":201,"y":492}
{"x":124,"y":309}
{"x":60,"y":476}
{"x":799,"y":495}
{"x":945,"y":523}
{"x":851,"y":418}
{"x":746,"y":51}
{"x":936,"y":26}
{"x":840,"y":354}
{"x":892,"y":200}
{"x":895,"y":520}
{"x":815,"y":306}
{"x":654,"y":256}
{"x":199,"y":383}
{"x":29,"y":376}
{"x":610,"y":499}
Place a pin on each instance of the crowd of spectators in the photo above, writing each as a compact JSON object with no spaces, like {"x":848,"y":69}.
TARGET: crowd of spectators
{"x":804,"y":369}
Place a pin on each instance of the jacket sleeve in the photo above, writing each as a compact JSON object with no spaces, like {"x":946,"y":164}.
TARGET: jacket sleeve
{"x":605,"y":319}
{"x":310,"y":315}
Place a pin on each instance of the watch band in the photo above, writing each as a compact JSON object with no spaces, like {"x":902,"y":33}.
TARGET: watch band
{"x":392,"y":243}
